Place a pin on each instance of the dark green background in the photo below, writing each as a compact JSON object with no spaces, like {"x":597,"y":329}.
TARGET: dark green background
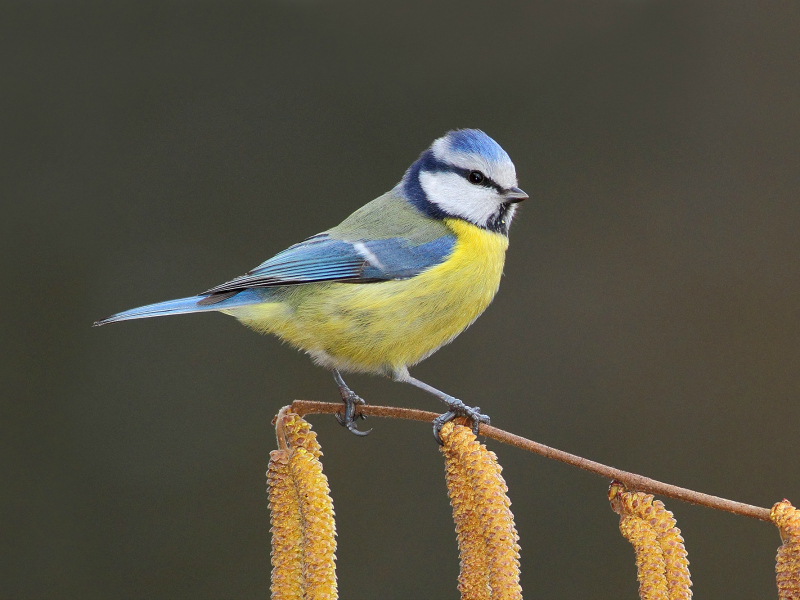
{"x":649,"y":317}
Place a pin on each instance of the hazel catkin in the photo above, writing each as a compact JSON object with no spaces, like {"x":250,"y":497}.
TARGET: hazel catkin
{"x":487,"y":537}
{"x":661,"y":558}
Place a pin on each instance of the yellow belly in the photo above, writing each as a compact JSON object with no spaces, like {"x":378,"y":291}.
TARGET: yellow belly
{"x":383,"y":327}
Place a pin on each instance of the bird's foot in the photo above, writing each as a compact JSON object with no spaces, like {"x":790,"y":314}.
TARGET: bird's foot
{"x":348,"y":419}
{"x":456,"y":408}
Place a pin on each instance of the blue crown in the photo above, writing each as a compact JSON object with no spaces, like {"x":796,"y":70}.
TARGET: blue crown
{"x":474,"y":141}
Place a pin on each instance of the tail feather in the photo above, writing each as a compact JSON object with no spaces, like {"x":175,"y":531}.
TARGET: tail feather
{"x":183,"y":306}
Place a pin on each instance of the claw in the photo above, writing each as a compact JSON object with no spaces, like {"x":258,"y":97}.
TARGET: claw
{"x":458,"y":409}
{"x":348,"y":419}
{"x":351,"y":425}
{"x":439,"y":422}
{"x":350,"y":399}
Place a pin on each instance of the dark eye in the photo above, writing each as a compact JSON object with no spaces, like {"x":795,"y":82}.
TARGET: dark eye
{"x":476,"y":177}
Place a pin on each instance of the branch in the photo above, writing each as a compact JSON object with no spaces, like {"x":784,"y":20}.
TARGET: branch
{"x":632,"y":481}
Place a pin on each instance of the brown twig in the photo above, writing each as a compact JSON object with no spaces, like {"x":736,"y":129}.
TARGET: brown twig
{"x":632,"y":481}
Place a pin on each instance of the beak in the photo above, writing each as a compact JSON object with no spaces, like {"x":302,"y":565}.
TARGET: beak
{"x":514,"y":195}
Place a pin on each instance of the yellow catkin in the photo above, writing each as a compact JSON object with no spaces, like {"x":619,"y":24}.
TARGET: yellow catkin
{"x":649,"y":559}
{"x":303,"y":527}
{"x":473,"y":578}
{"x":319,"y":529}
{"x":787,"y":563}
{"x":661,"y":558}
{"x":299,"y":434}
{"x":484,"y":523}
{"x":287,"y":536}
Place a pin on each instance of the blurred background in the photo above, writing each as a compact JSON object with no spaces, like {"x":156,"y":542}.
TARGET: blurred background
{"x":649,"y":316}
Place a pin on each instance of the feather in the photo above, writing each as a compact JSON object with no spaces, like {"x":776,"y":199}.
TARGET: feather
{"x":183,"y":306}
{"x":323,"y":258}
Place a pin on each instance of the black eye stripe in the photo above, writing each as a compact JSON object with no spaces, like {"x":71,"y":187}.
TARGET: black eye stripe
{"x":428,"y":162}
{"x":487,"y":181}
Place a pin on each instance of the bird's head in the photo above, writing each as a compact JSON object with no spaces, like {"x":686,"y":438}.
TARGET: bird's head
{"x":466,"y":175}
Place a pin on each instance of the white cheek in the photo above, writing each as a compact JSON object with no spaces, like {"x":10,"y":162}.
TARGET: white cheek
{"x":456,"y":196}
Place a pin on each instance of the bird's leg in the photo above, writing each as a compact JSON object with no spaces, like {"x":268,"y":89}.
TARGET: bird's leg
{"x":351,"y":400}
{"x":455,"y":407}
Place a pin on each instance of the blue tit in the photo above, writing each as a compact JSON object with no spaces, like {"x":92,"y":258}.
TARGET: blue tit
{"x":394,"y":282}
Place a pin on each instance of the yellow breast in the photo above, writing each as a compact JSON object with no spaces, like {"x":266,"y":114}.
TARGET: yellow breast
{"x":382,"y":327}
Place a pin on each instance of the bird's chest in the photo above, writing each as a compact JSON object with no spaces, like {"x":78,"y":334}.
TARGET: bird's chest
{"x":384,"y":326}
{"x":423,"y":312}
{"x":468,"y":280}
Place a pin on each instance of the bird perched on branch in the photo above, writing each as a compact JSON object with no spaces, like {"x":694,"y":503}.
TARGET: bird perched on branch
{"x":394,"y":282}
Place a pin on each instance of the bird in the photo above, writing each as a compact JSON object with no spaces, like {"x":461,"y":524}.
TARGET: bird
{"x":391,"y":284}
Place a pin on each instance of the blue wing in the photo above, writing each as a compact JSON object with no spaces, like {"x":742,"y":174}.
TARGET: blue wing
{"x":322,"y":258}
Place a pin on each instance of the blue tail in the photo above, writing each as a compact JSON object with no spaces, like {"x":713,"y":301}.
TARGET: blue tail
{"x":183,"y":306}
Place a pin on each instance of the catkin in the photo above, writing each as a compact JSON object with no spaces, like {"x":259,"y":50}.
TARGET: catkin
{"x":303,"y":527}
{"x":649,"y":559}
{"x":787,"y":562}
{"x":473,"y":578}
{"x":287,"y":534}
{"x":661,"y":558}
{"x":487,"y":537}
{"x":299,"y":434}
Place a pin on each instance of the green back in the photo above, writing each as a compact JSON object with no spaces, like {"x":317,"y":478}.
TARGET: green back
{"x":390,"y":216}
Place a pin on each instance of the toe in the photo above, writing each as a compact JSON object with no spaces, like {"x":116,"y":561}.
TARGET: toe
{"x":439,"y":422}
{"x":356,"y":431}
